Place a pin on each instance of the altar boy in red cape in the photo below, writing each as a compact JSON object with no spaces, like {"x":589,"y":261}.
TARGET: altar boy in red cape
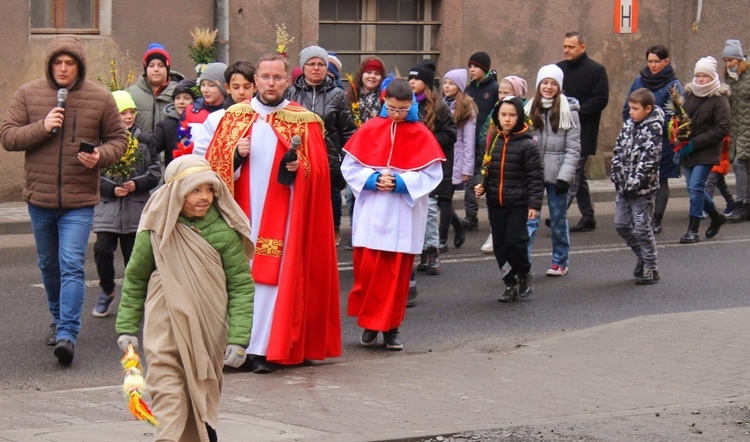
{"x":392,"y":163}
{"x":296,"y":314}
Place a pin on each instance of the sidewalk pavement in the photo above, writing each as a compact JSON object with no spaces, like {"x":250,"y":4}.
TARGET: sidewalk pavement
{"x":14,"y":216}
{"x":632,"y":367}
{"x":638,"y":366}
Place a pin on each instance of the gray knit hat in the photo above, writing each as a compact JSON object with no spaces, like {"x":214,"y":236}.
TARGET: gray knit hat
{"x":214,"y":72}
{"x":313,"y":52}
{"x":733,"y":49}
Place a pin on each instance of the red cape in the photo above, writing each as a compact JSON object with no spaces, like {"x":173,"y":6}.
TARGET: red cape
{"x":307,"y":318}
{"x":412,"y":148}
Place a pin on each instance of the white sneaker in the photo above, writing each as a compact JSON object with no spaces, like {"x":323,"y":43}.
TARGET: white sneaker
{"x":557,"y":270}
{"x":487,"y":246}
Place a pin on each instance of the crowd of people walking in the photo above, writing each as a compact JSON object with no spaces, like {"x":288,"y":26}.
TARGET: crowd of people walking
{"x":227,"y":205}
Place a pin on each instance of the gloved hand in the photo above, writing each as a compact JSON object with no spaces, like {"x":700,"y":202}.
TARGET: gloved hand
{"x":126,"y":339}
{"x":561,"y":187}
{"x":687,"y":149}
{"x":234,"y":355}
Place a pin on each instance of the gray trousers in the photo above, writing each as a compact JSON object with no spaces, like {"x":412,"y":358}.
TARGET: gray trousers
{"x":633,"y":223}
{"x":741,"y":172}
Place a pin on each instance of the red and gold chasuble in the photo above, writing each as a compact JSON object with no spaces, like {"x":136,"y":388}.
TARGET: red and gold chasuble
{"x":306,"y":319}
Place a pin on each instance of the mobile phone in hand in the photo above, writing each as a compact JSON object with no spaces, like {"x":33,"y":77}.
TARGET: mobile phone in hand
{"x":85,"y":146}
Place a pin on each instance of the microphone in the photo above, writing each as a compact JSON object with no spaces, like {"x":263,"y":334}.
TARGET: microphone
{"x":62,"y":95}
{"x":286,"y":177}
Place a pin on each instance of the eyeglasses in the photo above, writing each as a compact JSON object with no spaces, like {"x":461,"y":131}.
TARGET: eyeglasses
{"x":316,"y":65}
{"x":654,"y":61}
{"x":266,"y":78}
{"x":396,"y":110}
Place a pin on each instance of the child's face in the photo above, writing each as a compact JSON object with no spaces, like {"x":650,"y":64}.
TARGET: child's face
{"x":156,"y":72}
{"x":211,"y":93}
{"x":637,"y":112}
{"x":701,"y":78}
{"x":198,"y":201}
{"x":417,"y":85}
{"x":476,"y":73}
{"x":240,"y":88}
{"x":507,"y":116}
{"x":397,"y":109}
{"x":182,"y":102}
{"x":450,"y":89}
{"x":128,"y":118}
{"x":549,"y":88}
{"x":371,"y":80}
{"x":505,"y":90}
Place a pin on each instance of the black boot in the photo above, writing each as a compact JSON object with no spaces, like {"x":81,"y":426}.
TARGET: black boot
{"x":717,"y":220}
{"x":656,"y":224}
{"x":739,"y":213}
{"x":422,"y":266}
{"x":460,"y":227}
{"x":472,"y":222}
{"x":692,"y":236}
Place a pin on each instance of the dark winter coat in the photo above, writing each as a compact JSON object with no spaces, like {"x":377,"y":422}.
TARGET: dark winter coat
{"x":667,"y":167}
{"x":445,"y":133}
{"x":515,"y":171}
{"x":637,"y":154}
{"x":484,"y":94}
{"x":54,"y":178}
{"x":739,"y":100}
{"x":122,"y":215}
{"x":151,"y":107}
{"x":710,"y":123}
{"x":586,"y":81}
{"x":164,"y":137}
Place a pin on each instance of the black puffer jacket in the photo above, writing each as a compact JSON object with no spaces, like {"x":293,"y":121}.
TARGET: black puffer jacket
{"x":514,"y":177}
{"x":164,"y":137}
{"x":329,"y":102}
{"x":445,"y":133}
{"x":710,"y":123}
{"x":484,"y":94}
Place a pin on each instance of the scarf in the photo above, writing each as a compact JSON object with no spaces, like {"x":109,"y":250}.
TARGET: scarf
{"x":732,"y":73}
{"x":704,"y":90}
{"x":657,"y":81}
{"x":420,"y":97}
{"x":566,"y":116}
{"x":451,"y":102}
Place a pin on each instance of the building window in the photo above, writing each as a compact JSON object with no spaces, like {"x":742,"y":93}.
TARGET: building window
{"x":65,"y":16}
{"x":400,"y":32}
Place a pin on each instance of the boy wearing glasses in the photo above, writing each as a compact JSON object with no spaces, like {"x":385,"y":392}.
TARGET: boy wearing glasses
{"x":392,"y":164}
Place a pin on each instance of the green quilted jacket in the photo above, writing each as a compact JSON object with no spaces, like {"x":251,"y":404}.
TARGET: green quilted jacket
{"x":739,"y":101}
{"x":240,"y":285}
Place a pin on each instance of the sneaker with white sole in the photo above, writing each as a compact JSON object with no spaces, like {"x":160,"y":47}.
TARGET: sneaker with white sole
{"x":557,"y":270}
{"x":103,"y":305}
{"x":487,"y":246}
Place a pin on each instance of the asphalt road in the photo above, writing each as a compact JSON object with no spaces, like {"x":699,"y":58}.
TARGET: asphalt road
{"x":455,"y":309}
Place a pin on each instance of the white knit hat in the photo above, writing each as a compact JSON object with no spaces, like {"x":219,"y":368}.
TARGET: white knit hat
{"x":550,"y":71}
{"x":707,"y":65}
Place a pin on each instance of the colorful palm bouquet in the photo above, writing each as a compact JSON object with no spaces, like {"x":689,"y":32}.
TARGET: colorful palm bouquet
{"x":133,"y":386}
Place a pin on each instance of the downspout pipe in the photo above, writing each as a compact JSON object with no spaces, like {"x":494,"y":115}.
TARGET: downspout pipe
{"x":221,"y":22}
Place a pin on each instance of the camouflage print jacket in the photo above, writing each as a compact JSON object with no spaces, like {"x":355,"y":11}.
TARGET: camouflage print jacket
{"x":636,"y":156}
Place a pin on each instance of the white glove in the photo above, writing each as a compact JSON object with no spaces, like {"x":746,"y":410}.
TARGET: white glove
{"x":126,"y":339}
{"x":234,"y":355}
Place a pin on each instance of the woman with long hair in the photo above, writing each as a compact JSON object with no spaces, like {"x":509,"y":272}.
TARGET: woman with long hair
{"x":659,"y":77}
{"x":557,"y":130}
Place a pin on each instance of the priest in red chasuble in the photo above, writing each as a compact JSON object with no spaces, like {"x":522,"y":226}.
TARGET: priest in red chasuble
{"x":392,"y":164}
{"x":296,"y":315}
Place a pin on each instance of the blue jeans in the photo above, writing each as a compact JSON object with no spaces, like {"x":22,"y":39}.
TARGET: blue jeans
{"x":695,"y":179}
{"x":558,"y":215}
{"x":431,"y":236}
{"x":61,"y":238}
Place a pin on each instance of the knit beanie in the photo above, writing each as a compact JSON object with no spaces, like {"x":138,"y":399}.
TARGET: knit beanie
{"x":184,"y":87}
{"x":733,"y":49}
{"x":707,"y":65}
{"x":519,"y":85}
{"x":458,"y":76}
{"x":481,"y":60}
{"x":124,"y":100}
{"x":312,"y":52}
{"x":550,"y":71}
{"x":425,"y":71}
{"x":334,"y":64}
{"x":214,"y":72}
{"x":155,"y":50}
{"x":374,"y":64}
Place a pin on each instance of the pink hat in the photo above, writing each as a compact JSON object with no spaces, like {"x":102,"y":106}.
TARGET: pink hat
{"x":519,"y":85}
